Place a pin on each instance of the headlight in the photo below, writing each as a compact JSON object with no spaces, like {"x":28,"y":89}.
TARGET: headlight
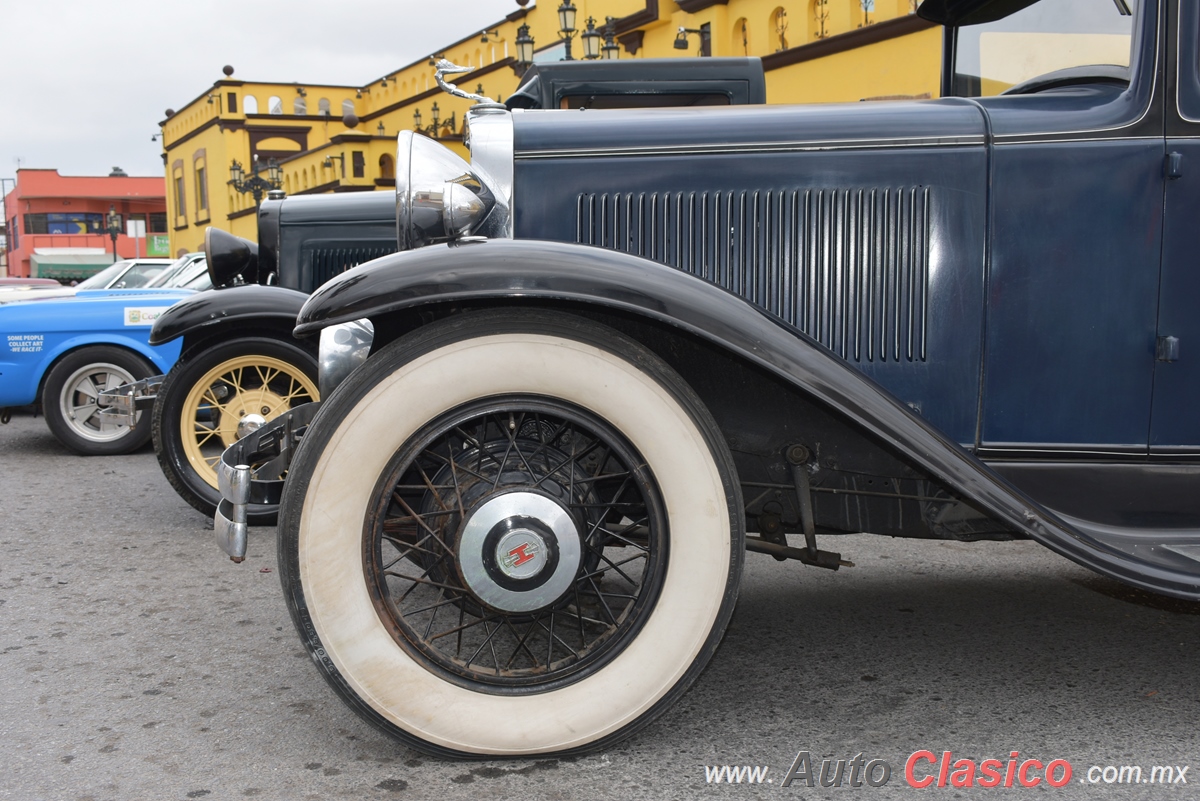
{"x":343,"y":347}
{"x":229,"y":256}
{"x":439,"y":197}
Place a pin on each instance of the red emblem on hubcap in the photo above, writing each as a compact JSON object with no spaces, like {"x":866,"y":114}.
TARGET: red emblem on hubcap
{"x":521,"y":554}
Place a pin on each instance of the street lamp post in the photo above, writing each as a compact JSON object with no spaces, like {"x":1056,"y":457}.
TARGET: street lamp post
{"x":114,"y":228}
{"x":255,"y":185}
{"x":591,"y":40}
{"x":566,"y":27}
{"x":611,"y":50}
{"x":438,"y":127}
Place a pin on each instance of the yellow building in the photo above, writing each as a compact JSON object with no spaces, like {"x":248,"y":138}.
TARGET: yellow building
{"x":327,"y":138}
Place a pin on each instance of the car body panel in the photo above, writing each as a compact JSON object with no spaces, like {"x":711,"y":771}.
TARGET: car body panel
{"x":238,"y":306}
{"x":38,"y":333}
{"x":553,"y":271}
{"x":856,"y":259}
{"x":1175,"y":423}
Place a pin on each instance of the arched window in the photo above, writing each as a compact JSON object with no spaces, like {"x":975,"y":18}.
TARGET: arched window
{"x":739,"y":43}
{"x":274,"y":105}
{"x":387,"y":166}
{"x":299,"y":106}
{"x":347,"y":107}
{"x":778,"y":25}
{"x":250,"y":104}
{"x":323,"y":106}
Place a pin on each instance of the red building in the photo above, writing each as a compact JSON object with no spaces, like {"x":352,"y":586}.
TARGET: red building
{"x":58,"y":224}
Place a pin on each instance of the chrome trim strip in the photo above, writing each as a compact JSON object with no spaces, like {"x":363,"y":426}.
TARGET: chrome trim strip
{"x":1012,"y":450}
{"x":489,"y":137}
{"x":755,"y":147}
{"x":1179,"y":65}
{"x":1054,"y":140}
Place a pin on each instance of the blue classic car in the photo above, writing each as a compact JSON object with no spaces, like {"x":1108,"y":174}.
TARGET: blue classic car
{"x":61,"y":352}
{"x":620,"y":348}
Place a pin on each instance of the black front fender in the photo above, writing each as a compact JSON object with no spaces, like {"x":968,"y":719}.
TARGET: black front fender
{"x":554,"y":271}
{"x":236,"y":306}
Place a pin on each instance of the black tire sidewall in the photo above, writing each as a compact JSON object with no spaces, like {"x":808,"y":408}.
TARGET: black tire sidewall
{"x":168,"y":409}
{"x":56,"y":378}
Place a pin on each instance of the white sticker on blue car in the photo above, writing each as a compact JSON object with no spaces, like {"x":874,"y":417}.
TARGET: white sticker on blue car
{"x":143,"y":315}
{"x":26,"y":343}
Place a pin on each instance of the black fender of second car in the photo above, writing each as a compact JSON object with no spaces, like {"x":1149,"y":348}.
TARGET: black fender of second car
{"x":531,"y":272}
{"x":231,"y":309}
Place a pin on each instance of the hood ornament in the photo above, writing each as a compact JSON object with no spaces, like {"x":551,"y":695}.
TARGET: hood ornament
{"x":445,"y":67}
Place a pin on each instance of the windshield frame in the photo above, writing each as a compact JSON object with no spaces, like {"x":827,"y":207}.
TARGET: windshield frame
{"x":952,"y":81}
{"x":115,"y":271}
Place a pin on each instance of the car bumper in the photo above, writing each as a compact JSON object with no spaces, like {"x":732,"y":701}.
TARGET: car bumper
{"x":122,"y":404}
{"x":248,"y":475}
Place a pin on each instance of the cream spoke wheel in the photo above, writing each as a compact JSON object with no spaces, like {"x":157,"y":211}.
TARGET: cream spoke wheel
{"x":214,"y":389}
{"x":231,"y":390}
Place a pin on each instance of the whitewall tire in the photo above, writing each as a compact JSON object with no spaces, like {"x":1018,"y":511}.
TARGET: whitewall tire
{"x":555,"y":492}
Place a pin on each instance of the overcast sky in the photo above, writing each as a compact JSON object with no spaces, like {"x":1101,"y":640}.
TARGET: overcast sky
{"x":85,"y":84}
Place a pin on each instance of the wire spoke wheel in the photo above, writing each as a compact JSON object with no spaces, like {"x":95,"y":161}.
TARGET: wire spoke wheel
{"x":516,"y":543}
{"x":511,"y":532}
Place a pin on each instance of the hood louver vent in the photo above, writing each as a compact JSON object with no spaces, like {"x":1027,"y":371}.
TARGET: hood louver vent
{"x":850,"y":268}
{"x":328,"y":262}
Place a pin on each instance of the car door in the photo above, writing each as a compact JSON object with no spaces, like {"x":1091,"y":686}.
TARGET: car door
{"x":1076,"y":233}
{"x":1175,"y":425}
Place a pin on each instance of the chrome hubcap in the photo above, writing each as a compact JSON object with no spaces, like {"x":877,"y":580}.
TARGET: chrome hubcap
{"x":519,"y":551}
{"x":250,"y":423}
{"x":79,"y":405}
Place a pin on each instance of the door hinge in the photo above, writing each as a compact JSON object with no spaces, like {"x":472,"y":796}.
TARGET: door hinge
{"x":1174,"y":165}
{"x":1166,"y":349}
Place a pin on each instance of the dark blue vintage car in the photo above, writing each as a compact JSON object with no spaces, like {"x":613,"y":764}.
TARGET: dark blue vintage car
{"x":620,"y":348}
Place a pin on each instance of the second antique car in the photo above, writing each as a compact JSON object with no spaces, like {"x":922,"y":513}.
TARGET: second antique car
{"x":620,"y":348}
{"x":240,"y":365}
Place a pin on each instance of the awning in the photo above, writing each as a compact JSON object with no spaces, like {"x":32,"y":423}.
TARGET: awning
{"x":67,"y":266}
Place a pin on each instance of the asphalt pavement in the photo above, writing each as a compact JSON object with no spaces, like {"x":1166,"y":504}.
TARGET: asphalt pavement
{"x":137,"y":662}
